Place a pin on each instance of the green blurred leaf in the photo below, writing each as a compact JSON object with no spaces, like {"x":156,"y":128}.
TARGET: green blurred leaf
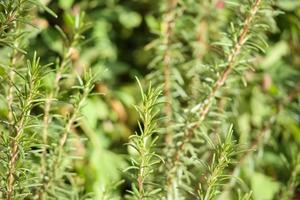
{"x":65,"y":4}
{"x":130,"y":19}
{"x":289,"y":5}
{"x":264,"y":188}
{"x":52,"y":38}
{"x":275,"y":54}
{"x":259,"y":107}
{"x":93,"y":111}
{"x":153,"y":23}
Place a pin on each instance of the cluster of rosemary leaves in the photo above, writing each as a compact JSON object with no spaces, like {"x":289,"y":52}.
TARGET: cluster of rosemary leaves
{"x":187,"y":144}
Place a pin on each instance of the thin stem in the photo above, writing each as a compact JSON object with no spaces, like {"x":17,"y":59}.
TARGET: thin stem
{"x":168,"y":31}
{"x":140,"y":178}
{"x":69,"y":126}
{"x":10,"y":99}
{"x":144,"y":150}
{"x":10,"y":96}
{"x":46,"y":119}
{"x":64,"y":137}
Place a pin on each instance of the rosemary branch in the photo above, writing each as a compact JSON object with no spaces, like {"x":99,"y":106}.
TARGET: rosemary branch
{"x":231,"y":59}
{"x":67,"y":129}
{"x":69,"y":49}
{"x":168,"y":31}
{"x":46,"y":119}
{"x":144,"y":143}
{"x":47,"y":108}
{"x":258,"y":140}
{"x":26,"y":107}
{"x":9,"y":21}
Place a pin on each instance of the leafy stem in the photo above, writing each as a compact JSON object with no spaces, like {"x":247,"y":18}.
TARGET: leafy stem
{"x":231,"y":60}
{"x":144,"y":144}
{"x":31,"y":93}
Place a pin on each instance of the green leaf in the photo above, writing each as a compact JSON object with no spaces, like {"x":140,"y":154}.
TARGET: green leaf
{"x":275,"y":54}
{"x":130,"y":19}
{"x":289,"y":5}
{"x":51,"y":37}
{"x":65,"y":4}
{"x":93,"y":111}
{"x":153,"y":23}
{"x":264,"y":188}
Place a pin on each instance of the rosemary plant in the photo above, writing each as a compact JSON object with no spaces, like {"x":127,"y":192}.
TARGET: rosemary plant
{"x":220,"y":117}
{"x":27,"y":93}
{"x":235,"y":49}
{"x":144,"y":144}
{"x":222,"y":157}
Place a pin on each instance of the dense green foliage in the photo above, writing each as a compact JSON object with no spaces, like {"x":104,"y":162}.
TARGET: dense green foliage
{"x":150,"y":99}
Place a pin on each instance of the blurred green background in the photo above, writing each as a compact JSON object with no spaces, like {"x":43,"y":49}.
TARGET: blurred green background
{"x":115,"y":50}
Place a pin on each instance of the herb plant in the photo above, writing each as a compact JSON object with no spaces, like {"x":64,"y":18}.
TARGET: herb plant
{"x":147,"y":100}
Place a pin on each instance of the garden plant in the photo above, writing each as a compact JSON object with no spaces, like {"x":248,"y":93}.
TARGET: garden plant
{"x":150,"y":99}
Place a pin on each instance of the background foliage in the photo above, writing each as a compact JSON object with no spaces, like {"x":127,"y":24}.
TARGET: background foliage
{"x":252,"y":132}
